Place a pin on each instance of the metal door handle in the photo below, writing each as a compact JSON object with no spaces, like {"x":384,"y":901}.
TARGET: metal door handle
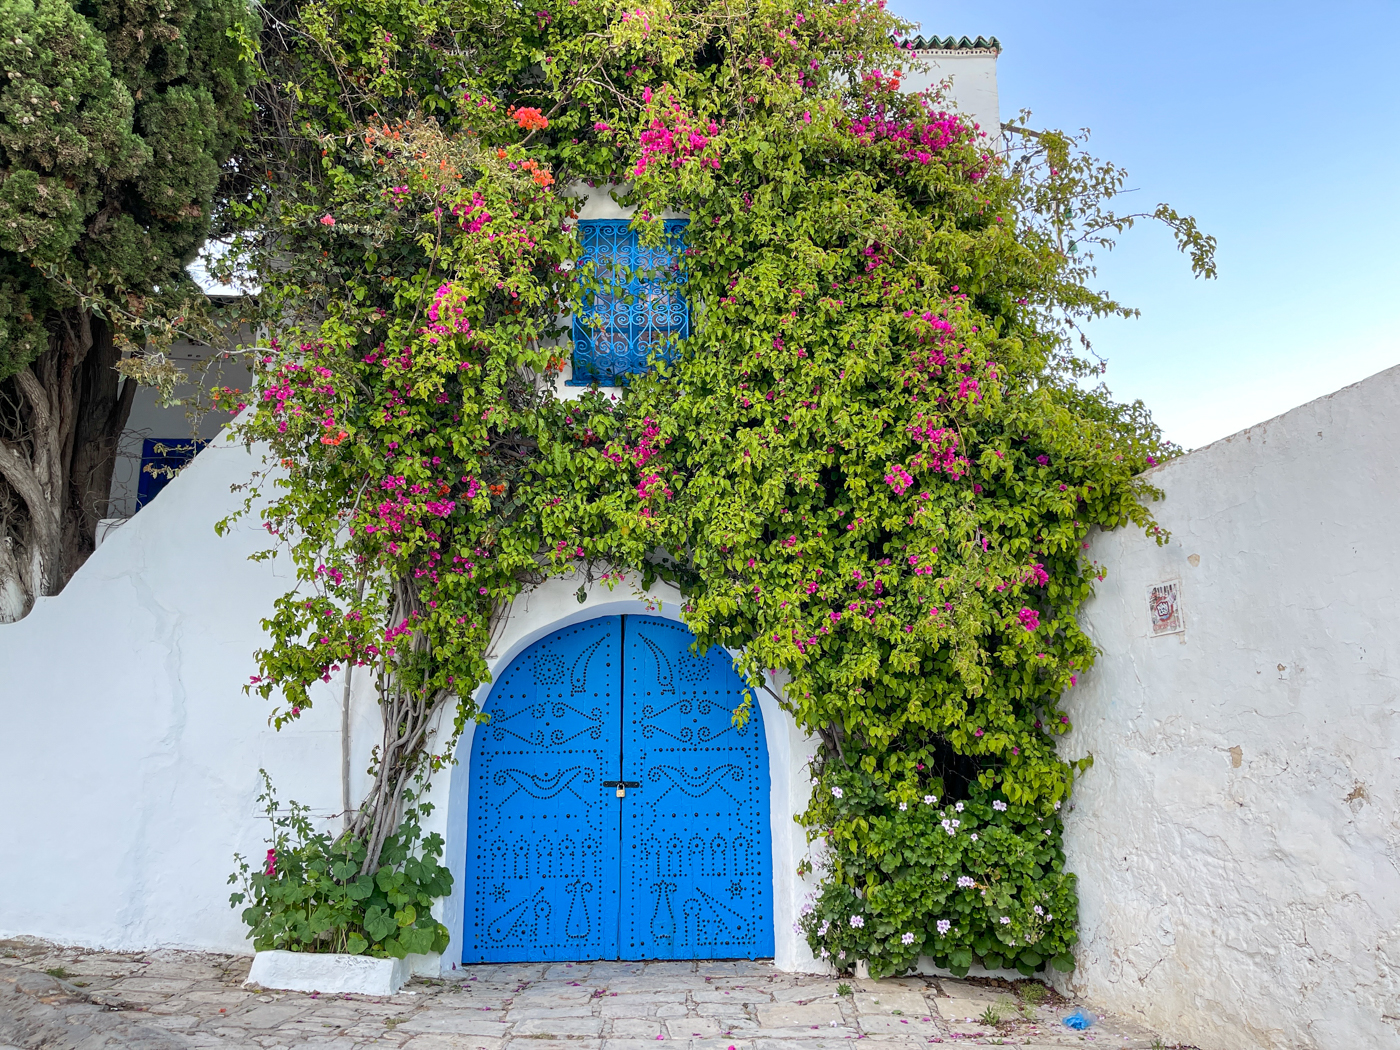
{"x":622,"y":786}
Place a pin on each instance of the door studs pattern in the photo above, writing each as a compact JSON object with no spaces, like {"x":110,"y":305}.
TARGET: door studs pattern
{"x":677,"y":866}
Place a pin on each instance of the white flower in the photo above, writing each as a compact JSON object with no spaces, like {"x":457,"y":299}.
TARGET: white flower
{"x":1039,"y":910}
{"x":908,"y":938}
{"x":959,"y":807}
{"x":943,"y":926}
{"x":945,"y":876}
{"x":857,"y":921}
{"x":826,"y":925}
{"x":807,"y":908}
{"x":903,"y":806}
{"x":1057,"y":805}
{"x":974,"y":836}
{"x":840,"y":955}
{"x":824,"y":953}
{"x":566,"y":265}
{"x":1047,"y":831}
{"x":836,"y":792}
{"x":966,"y":882}
{"x":1006,"y":920}
{"x":930,"y":799}
{"x":999,"y":806}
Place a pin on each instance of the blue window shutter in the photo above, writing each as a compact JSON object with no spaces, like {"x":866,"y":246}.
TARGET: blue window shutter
{"x":613,"y":337}
{"x":161,"y":460}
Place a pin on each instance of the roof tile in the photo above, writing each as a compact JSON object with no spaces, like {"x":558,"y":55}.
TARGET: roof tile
{"x":949,"y":43}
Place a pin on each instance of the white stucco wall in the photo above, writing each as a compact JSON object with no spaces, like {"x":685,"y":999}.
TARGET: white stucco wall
{"x":972,"y":77}
{"x":131,"y":754}
{"x":1236,"y":839}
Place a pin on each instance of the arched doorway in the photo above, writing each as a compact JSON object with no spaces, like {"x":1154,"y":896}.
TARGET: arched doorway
{"x":616,"y":811}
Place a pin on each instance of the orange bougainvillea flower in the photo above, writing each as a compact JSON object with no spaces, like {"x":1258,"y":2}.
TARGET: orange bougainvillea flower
{"x":328,"y":440}
{"x":496,"y":490}
{"x":530,"y":117}
{"x":501,"y":154}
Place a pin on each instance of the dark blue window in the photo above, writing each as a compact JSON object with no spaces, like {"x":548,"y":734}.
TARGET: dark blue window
{"x":161,"y":460}
{"x":638,"y":307}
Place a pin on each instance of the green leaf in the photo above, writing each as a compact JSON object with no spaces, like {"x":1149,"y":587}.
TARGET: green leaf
{"x":394,"y":948}
{"x":360,"y":889}
{"x":379,"y":923}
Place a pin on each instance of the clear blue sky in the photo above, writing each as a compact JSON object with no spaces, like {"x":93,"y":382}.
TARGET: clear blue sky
{"x":1278,"y":126}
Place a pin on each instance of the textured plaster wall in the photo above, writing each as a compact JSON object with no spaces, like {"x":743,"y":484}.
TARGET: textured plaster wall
{"x":130,"y":756}
{"x":1236,"y":838}
{"x":972,"y":77}
{"x":130,"y":760}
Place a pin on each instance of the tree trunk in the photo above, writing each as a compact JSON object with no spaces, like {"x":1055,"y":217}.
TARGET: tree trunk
{"x":60,"y":419}
{"x":104,"y":407}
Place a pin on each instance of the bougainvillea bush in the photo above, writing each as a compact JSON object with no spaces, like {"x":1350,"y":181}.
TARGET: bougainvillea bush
{"x":871,"y":467}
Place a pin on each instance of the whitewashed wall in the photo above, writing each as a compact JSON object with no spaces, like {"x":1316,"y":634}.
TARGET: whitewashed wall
{"x":131,"y":754}
{"x":972,"y":78}
{"x":1237,"y":838}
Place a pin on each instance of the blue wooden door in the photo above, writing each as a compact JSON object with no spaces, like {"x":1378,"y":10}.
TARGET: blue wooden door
{"x":696,"y":875}
{"x":542,"y":832}
{"x":560,"y":867}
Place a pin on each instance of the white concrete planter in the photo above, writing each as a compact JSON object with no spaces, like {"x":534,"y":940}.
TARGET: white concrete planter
{"x":313,"y":972}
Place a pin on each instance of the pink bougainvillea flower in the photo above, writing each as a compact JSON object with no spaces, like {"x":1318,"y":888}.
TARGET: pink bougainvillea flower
{"x":327,"y":220}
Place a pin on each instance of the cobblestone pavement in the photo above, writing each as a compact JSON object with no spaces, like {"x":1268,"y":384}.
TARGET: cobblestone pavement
{"x":56,"y":998}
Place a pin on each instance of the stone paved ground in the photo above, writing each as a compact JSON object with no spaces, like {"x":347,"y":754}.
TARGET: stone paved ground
{"x":59,"y":998}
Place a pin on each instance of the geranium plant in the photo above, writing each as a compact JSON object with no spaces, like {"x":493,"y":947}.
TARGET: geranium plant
{"x":310,"y":893}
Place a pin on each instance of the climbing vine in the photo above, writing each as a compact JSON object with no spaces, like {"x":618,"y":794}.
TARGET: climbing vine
{"x":872,"y":467}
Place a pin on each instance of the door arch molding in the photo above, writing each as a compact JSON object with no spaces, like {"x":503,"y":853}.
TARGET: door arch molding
{"x":554,"y":604}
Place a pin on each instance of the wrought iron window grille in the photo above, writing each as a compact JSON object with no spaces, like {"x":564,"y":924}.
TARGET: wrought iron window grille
{"x":635,"y":310}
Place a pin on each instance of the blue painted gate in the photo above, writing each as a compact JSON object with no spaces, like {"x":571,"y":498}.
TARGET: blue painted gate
{"x":559,"y":867}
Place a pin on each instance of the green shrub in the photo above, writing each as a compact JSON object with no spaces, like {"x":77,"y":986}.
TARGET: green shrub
{"x":311,"y":894}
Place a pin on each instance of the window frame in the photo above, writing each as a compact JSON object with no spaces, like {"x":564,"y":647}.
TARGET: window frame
{"x":605,"y":353}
